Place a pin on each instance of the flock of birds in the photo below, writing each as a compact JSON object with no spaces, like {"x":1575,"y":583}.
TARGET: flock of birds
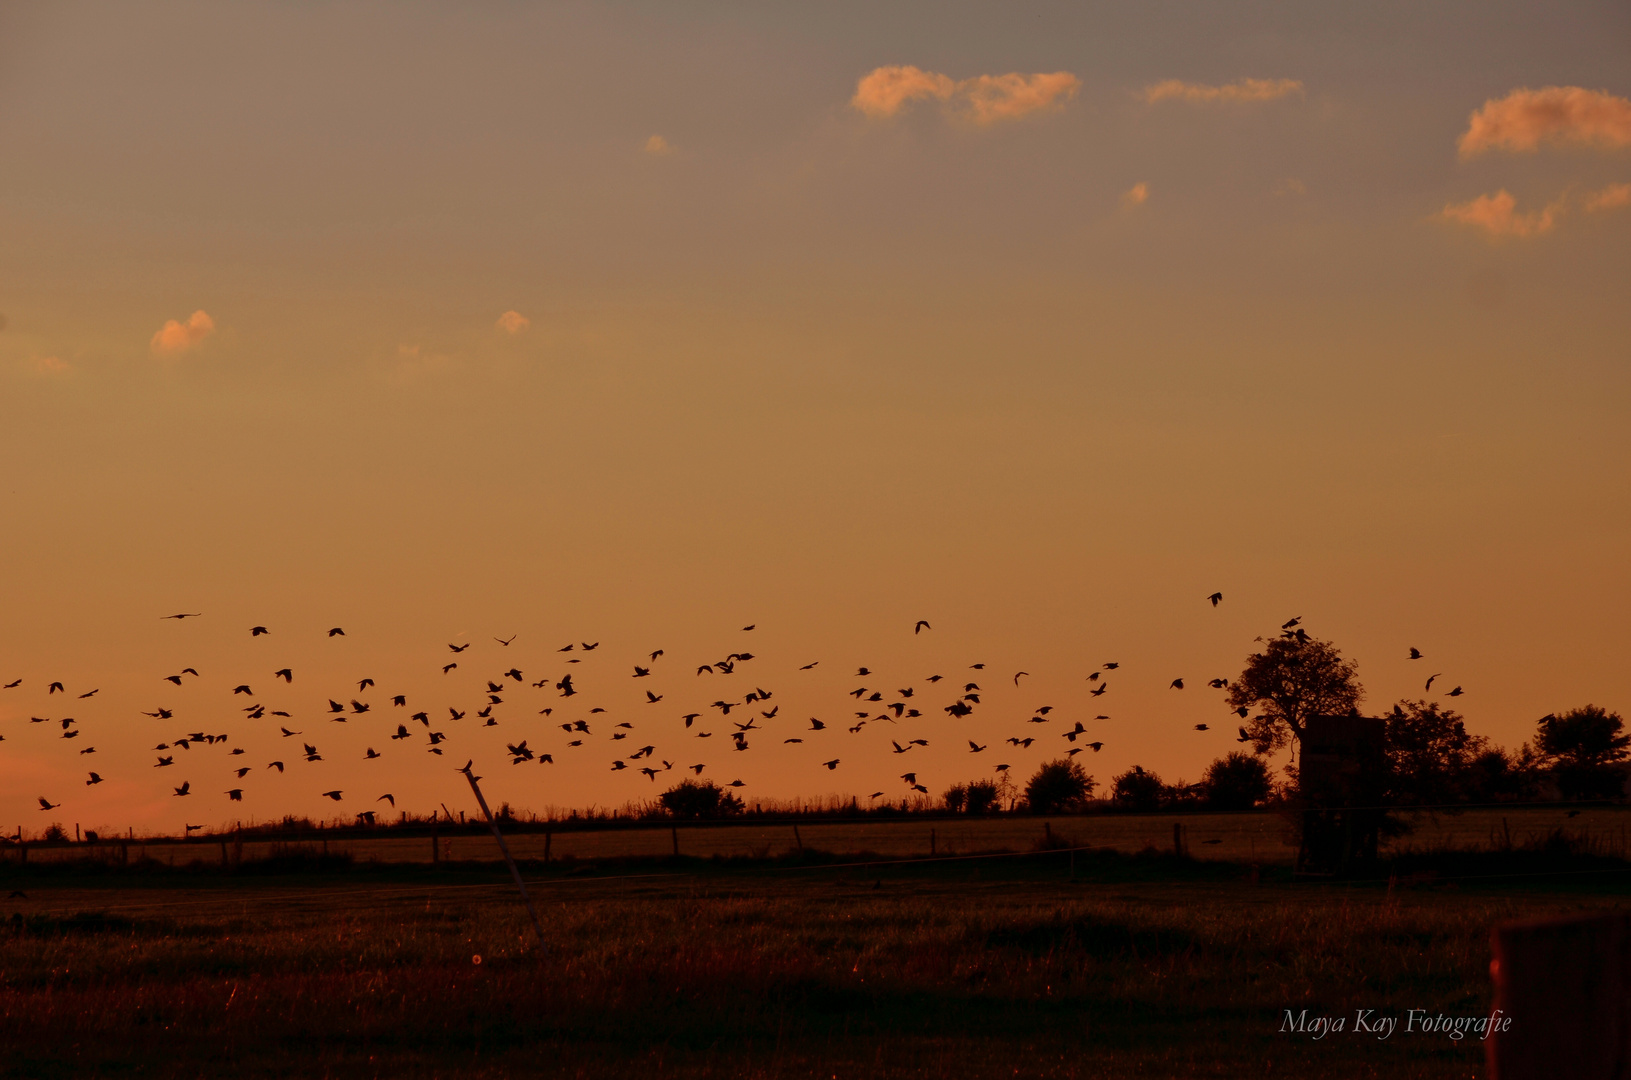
{"x":739,"y":716}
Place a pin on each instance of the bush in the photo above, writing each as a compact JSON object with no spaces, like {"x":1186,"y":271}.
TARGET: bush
{"x":1058,"y":786}
{"x":691,"y":799}
{"x":956,"y":797}
{"x":980,"y":797}
{"x":55,"y":834}
{"x":1136,"y":789}
{"x":1236,"y":781}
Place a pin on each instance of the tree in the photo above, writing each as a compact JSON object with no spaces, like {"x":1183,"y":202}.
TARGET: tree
{"x":1293,"y":678}
{"x":956,"y":797}
{"x":1583,"y":745}
{"x":1430,"y":754}
{"x":1058,"y":786}
{"x":690,"y":799}
{"x":1137,"y":789}
{"x":1236,"y":781}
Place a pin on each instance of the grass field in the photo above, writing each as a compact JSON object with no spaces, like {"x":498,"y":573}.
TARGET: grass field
{"x":1044,"y":964}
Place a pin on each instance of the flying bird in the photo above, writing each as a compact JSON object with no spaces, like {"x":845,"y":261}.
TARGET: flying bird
{"x":1415,"y":653}
{"x":1177,"y":684}
{"x":236,"y":794}
{"x":387,"y":798}
{"x":92,"y":693}
{"x":257,"y":631}
{"x":335,"y":795}
{"x":1201,"y":727}
{"x":54,"y":688}
{"x":974,"y":747}
{"x":922,"y":625}
{"x":186,"y":788}
{"x":1216,"y":598}
{"x":278,"y":765}
{"x":506,"y":641}
{"x":336,"y":632}
{"x":45,"y":804}
{"x":831,"y":765}
{"x":806,"y":667}
{"x":13,"y":684}
{"x":183,"y":615}
{"x":466,"y":645}
{"x":96,"y":778}
{"x":1430,"y":679}
{"x":286,"y":674}
{"x":1457,"y":692}
{"x":1017,"y":674}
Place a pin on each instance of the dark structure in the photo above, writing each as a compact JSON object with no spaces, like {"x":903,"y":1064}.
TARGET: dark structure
{"x":1343,"y":777}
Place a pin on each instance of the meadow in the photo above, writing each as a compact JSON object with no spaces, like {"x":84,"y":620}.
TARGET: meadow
{"x":1046,"y":963}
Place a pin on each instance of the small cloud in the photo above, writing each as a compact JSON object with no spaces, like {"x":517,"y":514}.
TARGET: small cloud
{"x":513,"y":322}
{"x":175,"y":337}
{"x":48,"y":365}
{"x":1239,"y":90}
{"x":1135,"y":196}
{"x":1496,"y":215}
{"x":1525,"y":118}
{"x":1008,"y":97}
{"x":657,"y":146}
{"x":1612,"y":197}
{"x":885,"y":91}
{"x":1291,"y":186}
{"x":985,"y":99}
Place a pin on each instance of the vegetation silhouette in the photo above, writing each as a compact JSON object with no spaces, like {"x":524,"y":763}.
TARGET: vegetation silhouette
{"x":1058,"y":786}
{"x":1236,"y":781}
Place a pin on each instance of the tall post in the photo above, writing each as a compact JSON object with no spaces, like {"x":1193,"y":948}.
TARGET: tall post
{"x":505,"y":848}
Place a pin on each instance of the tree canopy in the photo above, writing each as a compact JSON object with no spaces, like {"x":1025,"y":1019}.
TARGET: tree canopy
{"x":1290,"y":680}
{"x":690,"y":799}
{"x":1584,"y":745}
{"x":1137,"y":789}
{"x":1059,"y":785}
{"x":1430,"y":754}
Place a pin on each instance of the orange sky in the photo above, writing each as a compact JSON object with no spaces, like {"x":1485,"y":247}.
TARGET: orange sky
{"x":640,"y":325}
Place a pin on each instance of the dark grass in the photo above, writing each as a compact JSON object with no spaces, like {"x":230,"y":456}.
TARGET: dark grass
{"x":1141,"y":966}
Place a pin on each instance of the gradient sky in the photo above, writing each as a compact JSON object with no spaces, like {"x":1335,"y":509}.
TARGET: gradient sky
{"x":1044,"y":362}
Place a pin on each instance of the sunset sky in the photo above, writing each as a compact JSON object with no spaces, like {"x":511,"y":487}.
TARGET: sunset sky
{"x":641,"y":323}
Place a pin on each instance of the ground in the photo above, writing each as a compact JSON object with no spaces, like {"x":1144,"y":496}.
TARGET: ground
{"x":1041,"y":964}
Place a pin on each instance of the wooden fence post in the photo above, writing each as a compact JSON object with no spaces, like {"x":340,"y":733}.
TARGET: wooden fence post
{"x":1560,"y":999}
{"x":674,"y":835}
{"x":798,"y":840}
{"x":505,"y":848}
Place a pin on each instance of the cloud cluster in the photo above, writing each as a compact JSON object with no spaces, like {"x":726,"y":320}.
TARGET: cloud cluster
{"x":1563,"y":115}
{"x":1135,"y":196}
{"x":657,"y":146}
{"x":513,"y":322}
{"x":984,"y":99}
{"x":176,"y":337}
{"x":1241,"y":90}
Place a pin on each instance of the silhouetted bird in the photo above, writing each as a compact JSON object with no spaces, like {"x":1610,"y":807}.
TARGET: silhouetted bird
{"x":922,"y":624}
{"x":1243,"y":736}
{"x":47,"y":805}
{"x":466,"y":645}
{"x":1457,"y":692}
{"x":974,"y":747}
{"x":1415,"y":653}
{"x":506,"y":641}
{"x":1201,"y":727}
{"x":278,"y":765}
{"x":387,"y":798}
{"x":96,"y":778}
{"x":336,"y":632}
{"x":1430,"y":679}
{"x":371,"y":754}
{"x":257,"y":631}
{"x":236,"y":794}
{"x":335,"y":795}
{"x":55,"y":687}
{"x":1177,"y":684}
{"x":183,"y":615}
{"x":1216,"y":598}
{"x":186,"y":788}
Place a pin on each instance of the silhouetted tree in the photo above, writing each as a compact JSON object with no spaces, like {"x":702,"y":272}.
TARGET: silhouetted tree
{"x":691,"y":799}
{"x":982,"y":795}
{"x":1058,"y":786}
{"x":1430,"y":754}
{"x":1495,"y":775}
{"x":1291,"y":679}
{"x":1236,"y":781}
{"x":1137,"y":789}
{"x":1583,"y":745}
{"x":956,"y":797}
